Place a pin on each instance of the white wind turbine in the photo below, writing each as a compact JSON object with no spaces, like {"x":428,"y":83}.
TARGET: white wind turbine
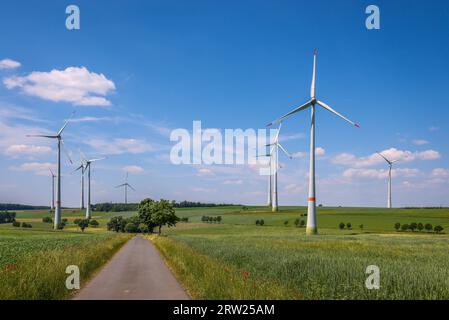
{"x":390,"y":164}
{"x":125,"y":186}
{"x":87,"y":164}
{"x":58,"y":136}
{"x":274,"y":166}
{"x":53,"y":176}
{"x":82,"y":167}
{"x":311,"y":210}
{"x":270,"y":195}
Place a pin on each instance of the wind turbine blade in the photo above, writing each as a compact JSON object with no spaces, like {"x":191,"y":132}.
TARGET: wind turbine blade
{"x":328,"y":108}
{"x":276,"y":140}
{"x":130,"y":186}
{"x":300,"y":108}
{"x":120,"y":185}
{"x":98,"y":159}
{"x":66,"y":123}
{"x":51,"y":172}
{"x":285,"y":151}
{"x":388,"y":161}
{"x":263,"y":155}
{"x":80,"y":167}
{"x":41,"y":135}
{"x":65,"y":151}
{"x":83,"y":155}
{"x":312,"y":86}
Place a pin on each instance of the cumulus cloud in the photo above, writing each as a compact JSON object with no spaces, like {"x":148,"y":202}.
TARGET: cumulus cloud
{"x":420,"y":142}
{"x":74,"y":85}
{"x":319,"y":152}
{"x":440,"y":173}
{"x":392,"y":153}
{"x":133,"y":169}
{"x":9,"y":64}
{"x":24,"y":149}
{"x":380,"y":173}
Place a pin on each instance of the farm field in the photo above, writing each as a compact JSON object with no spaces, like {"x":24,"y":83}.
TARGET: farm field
{"x":251,"y":262}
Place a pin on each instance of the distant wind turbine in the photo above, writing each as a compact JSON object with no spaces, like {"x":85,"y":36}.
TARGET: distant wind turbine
{"x":312,"y":227}
{"x":125,"y":186}
{"x":390,"y":164}
{"x":274,"y":152}
{"x":58,"y":136}
{"x":82,"y":167}
{"x":53,"y":176}
{"x":87,"y":165}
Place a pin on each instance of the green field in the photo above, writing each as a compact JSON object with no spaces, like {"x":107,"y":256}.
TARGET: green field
{"x":413,"y":265}
{"x":236,"y":259}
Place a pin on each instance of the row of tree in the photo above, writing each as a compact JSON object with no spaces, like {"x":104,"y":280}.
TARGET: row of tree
{"x":151,"y":214}
{"x":7,"y":217}
{"x":418,"y":226}
{"x":15,"y":206}
{"x":115,"y":207}
{"x":211,"y":219}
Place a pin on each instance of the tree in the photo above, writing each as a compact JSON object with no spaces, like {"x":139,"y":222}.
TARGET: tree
{"x":131,"y":227}
{"x":114,"y":224}
{"x":349,"y":225}
{"x":397,"y":226}
{"x":413,"y":226}
{"x":47,"y":220}
{"x":420,"y":226}
{"x":163,"y":214}
{"x":341,"y":225}
{"x":257,"y":222}
{"x":146,"y":209}
{"x":302,"y":223}
{"x":142,"y":228}
{"x":219,"y":219}
{"x":286,"y":223}
{"x":361,"y":227}
{"x":83,"y":224}
{"x":438,"y":229}
{"x":405,"y":227}
{"x":428,"y":227}
{"x":297,"y":222}
{"x":94,"y":223}
{"x":261,"y":222}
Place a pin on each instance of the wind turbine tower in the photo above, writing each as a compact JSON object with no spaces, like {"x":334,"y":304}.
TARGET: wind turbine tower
{"x":125,"y":186}
{"x":390,"y":164}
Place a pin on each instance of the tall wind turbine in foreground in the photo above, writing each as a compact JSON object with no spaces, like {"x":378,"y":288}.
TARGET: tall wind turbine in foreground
{"x":126,"y":185}
{"x":87,"y":164}
{"x":53,"y":176}
{"x":58,"y":136}
{"x":274,"y":154}
{"x":311,"y":210}
{"x":82,"y":167}
{"x":390,"y":164}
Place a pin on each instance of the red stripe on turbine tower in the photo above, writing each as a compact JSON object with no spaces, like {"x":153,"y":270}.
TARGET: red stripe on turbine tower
{"x":312,"y":199}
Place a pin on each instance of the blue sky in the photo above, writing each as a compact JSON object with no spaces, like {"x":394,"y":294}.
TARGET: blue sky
{"x":153,"y":66}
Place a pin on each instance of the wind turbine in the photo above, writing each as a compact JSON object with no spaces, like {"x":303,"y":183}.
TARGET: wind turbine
{"x":82,"y":167}
{"x":87,"y":164}
{"x":390,"y":164}
{"x":311,"y":210}
{"x":53,"y":176}
{"x":58,"y":136}
{"x":126,"y":185}
{"x":275,"y":154}
{"x":270,"y":196}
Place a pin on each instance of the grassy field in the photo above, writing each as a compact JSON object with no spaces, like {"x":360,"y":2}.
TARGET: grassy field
{"x":248,"y":261}
{"x":33,"y":261}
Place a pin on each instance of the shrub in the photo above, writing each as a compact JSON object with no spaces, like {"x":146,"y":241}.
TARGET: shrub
{"x":261,"y":222}
{"x":286,"y":223}
{"x":219,"y":219}
{"x":428,"y":227}
{"x":420,"y":226}
{"x":413,"y":226}
{"x":60,"y":226}
{"x":26,"y":225}
{"x":47,"y":220}
{"x":349,"y":225}
{"x":7,"y":217}
{"x":77,"y":221}
{"x":438,"y":229}
{"x":361,"y":227}
{"x":297,"y":222}
{"x":405,"y":227}
{"x":131,"y":227}
{"x":83,"y":224}
{"x":302,"y":223}
{"x":94,"y":223}
{"x":142,"y":228}
{"x":257,"y":222}
{"x":397,"y":226}
{"x":341,"y":225}
{"x":16,"y":224}
{"x":65,"y":221}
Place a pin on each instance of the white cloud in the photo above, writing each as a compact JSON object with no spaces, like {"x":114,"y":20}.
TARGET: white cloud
{"x":380,"y":173}
{"x":75,"y":85}
{"x":293,"y":188}
{"x":392,"y":153}
{"x":420,"y":142}
{"x":24,"y":149}
{"x":39,"y":168}
{"x":204,"y":172}
{"x":9,"y":64}
{"x":233,"y":182}
{"x":319,"y":152}
{"x":133,"y":169}
{"x":440,"y":173}
{"x":120,"y":146}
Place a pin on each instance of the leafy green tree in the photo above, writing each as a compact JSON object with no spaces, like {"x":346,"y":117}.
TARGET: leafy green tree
{"x":420,"y":226}
{"x":302,"y":223}
{"x":349,"y":225}
{"x":342,"y":225}
{"x":397,"y":226}
{"x":47,"y":220}
{"x":219,"y":219}
{"x":405,"y":227}
{"x":438,"y":229}
{"x":428,"y":227}
{"x":83,"y":224}
{"x":413,"y":226}
{"x":94,"y":223}
{"x":163,"y":214}
{"x":131,"y":227}
{"x":143,"y":228}
{"x":297,"y":222}
{"x":286,"y":223}
{"x":16,"y":224}
{"x":114,"y":224}
{"x":261,"y":222}
{"x":257,"y":222}
{"x":146,"y":209}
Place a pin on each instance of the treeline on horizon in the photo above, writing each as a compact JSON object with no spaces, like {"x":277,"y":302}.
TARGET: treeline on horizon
{"x":119,"y":207}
